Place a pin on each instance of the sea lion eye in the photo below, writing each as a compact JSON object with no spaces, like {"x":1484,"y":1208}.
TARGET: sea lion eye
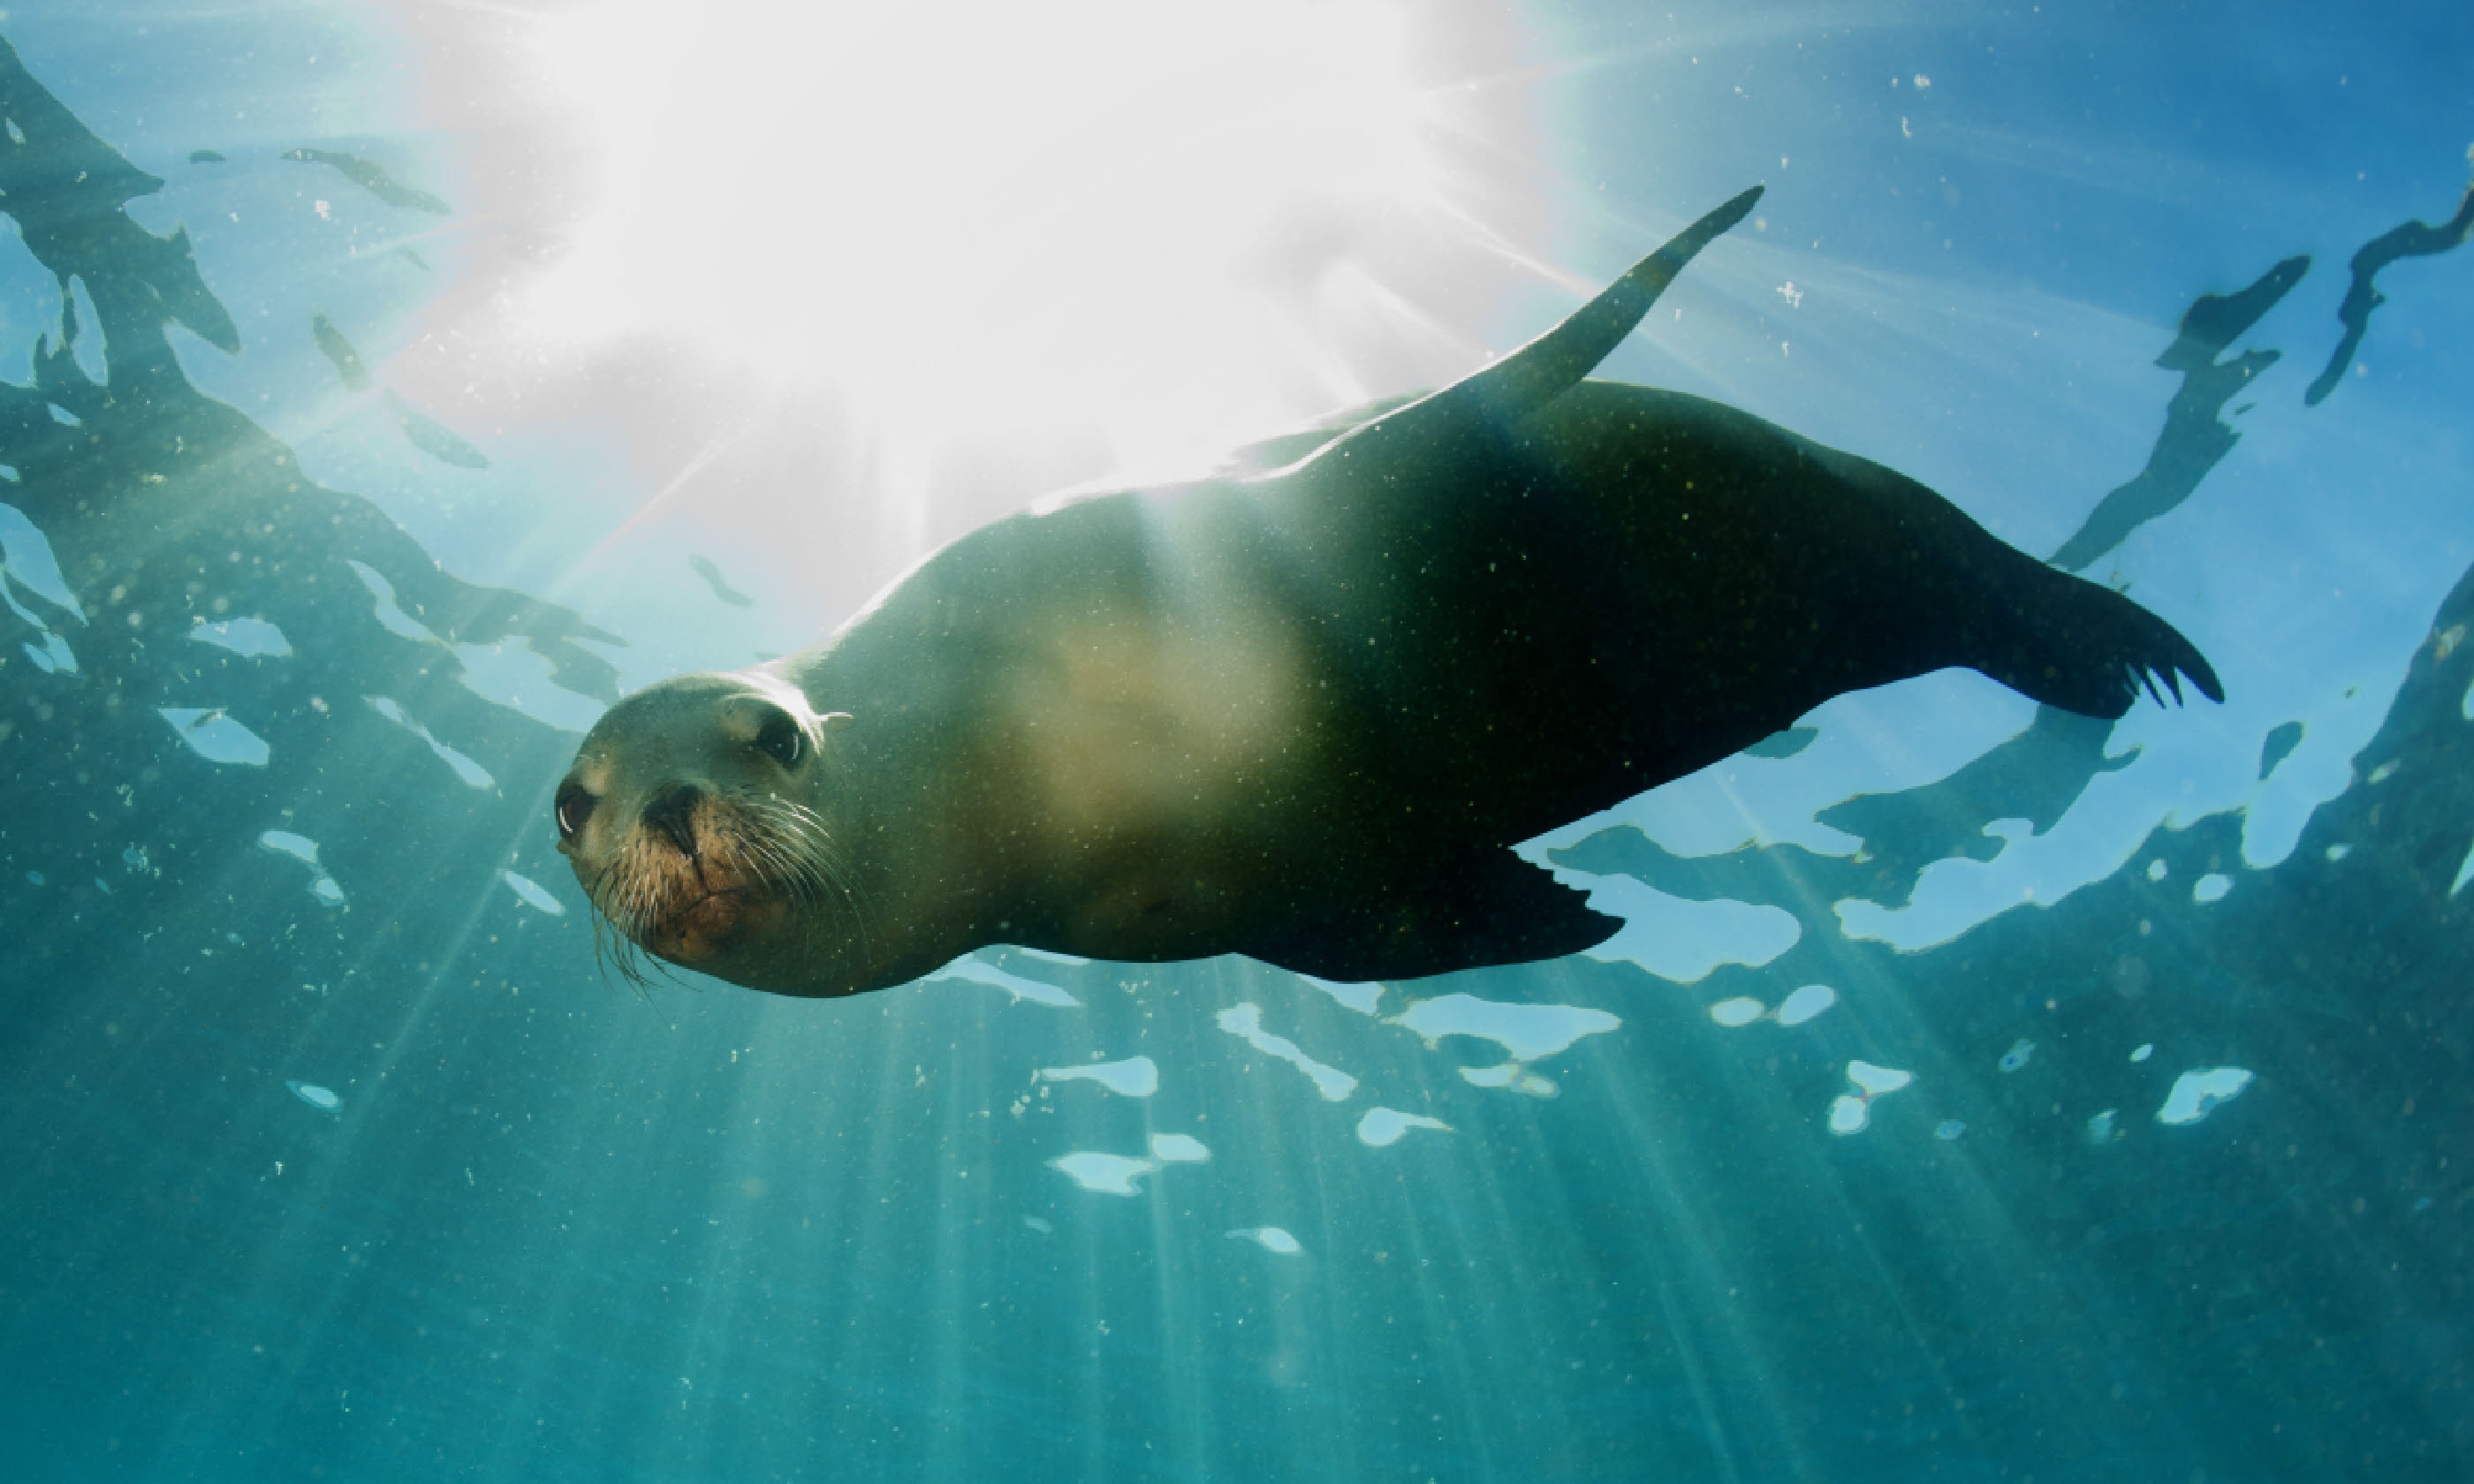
{"x":782,"y":740}
{"x":574,"y":807}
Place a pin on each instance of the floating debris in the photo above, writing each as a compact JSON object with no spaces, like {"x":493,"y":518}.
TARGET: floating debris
{"x":1949,"y":1129}
{"x":2018,"y":1054}
{"x":2104,"y":1128}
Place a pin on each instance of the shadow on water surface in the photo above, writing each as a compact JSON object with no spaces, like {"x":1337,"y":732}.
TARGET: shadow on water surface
{"x":544,"y":1232}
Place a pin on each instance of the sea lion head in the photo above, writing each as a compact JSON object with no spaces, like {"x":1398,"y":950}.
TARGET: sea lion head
{"x":696,"y":817}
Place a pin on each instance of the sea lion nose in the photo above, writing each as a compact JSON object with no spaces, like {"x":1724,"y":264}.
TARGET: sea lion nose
{"x":672,"y":814}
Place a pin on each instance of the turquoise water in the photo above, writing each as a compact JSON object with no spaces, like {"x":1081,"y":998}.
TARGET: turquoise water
{"x":1974,"y":1092}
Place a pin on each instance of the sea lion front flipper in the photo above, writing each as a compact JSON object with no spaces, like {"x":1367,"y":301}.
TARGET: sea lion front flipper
{"x":1546,"y":368}
{"x":1556,"y":362}
{"x":1491,"y":907}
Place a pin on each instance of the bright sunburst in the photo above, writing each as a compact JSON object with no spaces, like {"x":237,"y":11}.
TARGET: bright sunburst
{"x":1136,"y":217}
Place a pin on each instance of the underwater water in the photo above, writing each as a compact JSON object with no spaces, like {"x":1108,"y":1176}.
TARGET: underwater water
{"x":1975,"y":1090}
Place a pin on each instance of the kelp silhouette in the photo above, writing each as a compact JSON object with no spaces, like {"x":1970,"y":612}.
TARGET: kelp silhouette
{"x":167,"y":509}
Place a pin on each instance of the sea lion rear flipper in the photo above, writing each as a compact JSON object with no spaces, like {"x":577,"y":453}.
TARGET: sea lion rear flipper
{"x":1546,"y":368}
{"x":1489,"y":908}
{"x":2088,"y":649}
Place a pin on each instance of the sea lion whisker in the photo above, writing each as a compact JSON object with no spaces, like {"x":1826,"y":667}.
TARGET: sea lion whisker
{"x":622,"y":952}
{"x":818,"y":863}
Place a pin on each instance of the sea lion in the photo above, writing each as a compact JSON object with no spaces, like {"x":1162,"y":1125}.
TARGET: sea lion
{"x":1300,"y":712}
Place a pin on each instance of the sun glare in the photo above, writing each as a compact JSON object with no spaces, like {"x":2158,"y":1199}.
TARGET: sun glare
{"x":1119,"y":213}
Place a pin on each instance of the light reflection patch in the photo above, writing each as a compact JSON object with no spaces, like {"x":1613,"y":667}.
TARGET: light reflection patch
{"x":1245,"y":1022}
{"x":1527,"y":1033}
{"x":1044,"y":956}
{"x":1794,"y":1010}
{"x":1850,"y":1113}
{"x":215,"y":736}
{"x":1805,"y":1003}
{"x":1271,"y":1239}
{"x":26,"y":553}
{"x":324,"y":1099}
{"x":1104,"y":1174}
{"x":1382,"y":1126}
{"x":303,"y":848}
{"x":512,"y":674}
{"x":532,"y":893}
{"x":1360,"y":998}
{"x":472,"y":773}
{"x":1135,"y":1077}
{"x":2197,"y":1093}
{"x":252,"y":636}
{"x":1179,"y":1149}
{"x":1015,"y":985}
{"x":392,"y":618}
{"x":1511,"y":1074}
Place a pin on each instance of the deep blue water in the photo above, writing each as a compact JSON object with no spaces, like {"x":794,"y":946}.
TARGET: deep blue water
{"x":383,"y":391}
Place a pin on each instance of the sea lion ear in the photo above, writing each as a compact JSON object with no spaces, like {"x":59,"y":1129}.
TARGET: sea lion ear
{"x":832,"y":721}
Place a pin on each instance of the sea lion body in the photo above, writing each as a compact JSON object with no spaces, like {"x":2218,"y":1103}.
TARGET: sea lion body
{"x":1302,"y":713}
